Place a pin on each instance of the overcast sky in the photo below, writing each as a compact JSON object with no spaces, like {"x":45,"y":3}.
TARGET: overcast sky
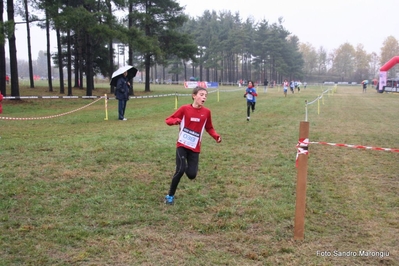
{"x":318,"y":22}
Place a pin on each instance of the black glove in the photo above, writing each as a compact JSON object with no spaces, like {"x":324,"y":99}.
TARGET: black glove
{"x":245,"y":95}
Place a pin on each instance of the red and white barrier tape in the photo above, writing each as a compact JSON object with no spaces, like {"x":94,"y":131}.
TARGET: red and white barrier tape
{"x":46,"y":117}
{"x":303,"y":144}
{"x":355,"y":146}
{"x":302,"y":148}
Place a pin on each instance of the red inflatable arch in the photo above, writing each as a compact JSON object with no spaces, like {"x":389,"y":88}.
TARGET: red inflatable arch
{"x":388,"y":65}
{"x":383,"y":72}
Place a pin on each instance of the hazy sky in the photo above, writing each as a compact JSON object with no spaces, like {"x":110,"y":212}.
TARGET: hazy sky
{"x":318,"y":22}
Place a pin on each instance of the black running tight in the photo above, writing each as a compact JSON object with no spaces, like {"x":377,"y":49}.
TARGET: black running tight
{"x":250,"y":105}
{"x":186,"y":162}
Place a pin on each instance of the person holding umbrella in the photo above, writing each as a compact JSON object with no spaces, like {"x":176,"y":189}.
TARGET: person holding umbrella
{"x":122,"y":94}
{"x":364,"y":83}
{"x":120,"y":80}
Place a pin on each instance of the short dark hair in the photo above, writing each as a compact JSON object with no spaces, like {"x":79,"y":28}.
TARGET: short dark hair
{"x":197,"y":89}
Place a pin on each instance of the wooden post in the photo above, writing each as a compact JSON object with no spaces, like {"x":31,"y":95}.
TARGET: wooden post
{"x":302,"y":172}
{"x":106,"y":107}
{"x":318,"y":105}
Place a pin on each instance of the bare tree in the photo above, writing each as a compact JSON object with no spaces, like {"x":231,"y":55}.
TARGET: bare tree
{"x":49,"y":75}
{"x":69,"y":63}
{"x":60,"y":61}
{"x":389,"y":49}
{"x":13,"y":49}
{"x":2,"y":53}
{"x":374,"y":65}
{"x":32,"y":83}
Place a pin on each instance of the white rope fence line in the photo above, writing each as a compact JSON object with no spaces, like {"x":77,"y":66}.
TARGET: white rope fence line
{"x":320,"y":97}
{"x":109,"y":98}
{"x":86,"y":97}
{"x":51,"y":116}
{"x":175,"y":94}
{"x":49,"y":97}
{"x":242,"y":88}
{"x":90,"y":97}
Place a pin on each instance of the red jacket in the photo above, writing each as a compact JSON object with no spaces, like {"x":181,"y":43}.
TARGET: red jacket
{"x":192,"y":123}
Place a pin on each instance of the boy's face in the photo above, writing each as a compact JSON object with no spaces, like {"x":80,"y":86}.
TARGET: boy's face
{"x":200,"y":97}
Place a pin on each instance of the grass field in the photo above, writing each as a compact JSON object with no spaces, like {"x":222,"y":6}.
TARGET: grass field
{"x":79,"y":190}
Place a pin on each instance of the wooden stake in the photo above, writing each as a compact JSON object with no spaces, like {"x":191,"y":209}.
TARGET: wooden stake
{"x":106,"y":107}
{"x":302,"y":172}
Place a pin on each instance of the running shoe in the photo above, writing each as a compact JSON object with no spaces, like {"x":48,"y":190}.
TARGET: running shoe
{"x":170,"y":200}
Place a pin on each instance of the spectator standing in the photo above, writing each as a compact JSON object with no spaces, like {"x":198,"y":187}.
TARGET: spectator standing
{"x":265,"y":83}
{"x":122,"y":94}
{"x":364,"y":86}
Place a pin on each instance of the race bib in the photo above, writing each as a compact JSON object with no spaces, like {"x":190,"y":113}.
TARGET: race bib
{"x":250,"y":97}
{"x":189,"y":137}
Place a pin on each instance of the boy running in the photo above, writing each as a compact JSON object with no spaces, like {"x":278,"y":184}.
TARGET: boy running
{"x":192,"y":120}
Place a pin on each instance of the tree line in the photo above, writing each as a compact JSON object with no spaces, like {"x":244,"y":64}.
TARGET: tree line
{"x":160,"y":38}
{"x":348,"y":63}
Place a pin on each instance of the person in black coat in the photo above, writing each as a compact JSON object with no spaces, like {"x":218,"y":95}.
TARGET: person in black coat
{"x":122,"y":94}
{"x":364,"y":86}
{"x":265,"y":83}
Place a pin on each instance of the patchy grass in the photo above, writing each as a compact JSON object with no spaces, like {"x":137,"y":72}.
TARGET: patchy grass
{"x":78,"y":190}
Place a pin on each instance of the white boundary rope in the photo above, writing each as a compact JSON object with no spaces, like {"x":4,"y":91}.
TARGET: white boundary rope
{"x":110,"y":98}
{"x":49,"y":97}
{"x":90,"y":97}
{"x":316,"y":100}
{"x":51,"y":116}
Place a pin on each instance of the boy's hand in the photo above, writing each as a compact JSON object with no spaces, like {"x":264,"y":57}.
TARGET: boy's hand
{"x":219,"y":139}
{"x":178,"y":121}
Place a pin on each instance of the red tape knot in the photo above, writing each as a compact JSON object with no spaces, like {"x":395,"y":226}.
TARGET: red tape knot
{"x":302,"y":148}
